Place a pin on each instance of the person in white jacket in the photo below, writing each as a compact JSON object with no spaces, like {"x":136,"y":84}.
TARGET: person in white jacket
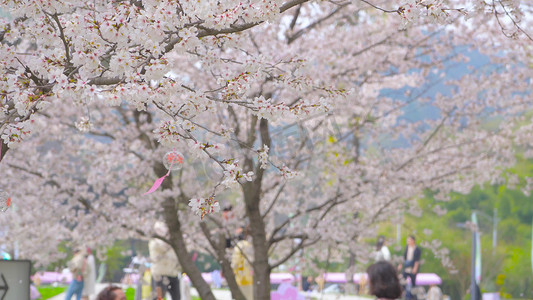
{"x":89,"y":281}
{"x":382,"y":251}
{"x":79,"y":269}
{"x":164,"y":264}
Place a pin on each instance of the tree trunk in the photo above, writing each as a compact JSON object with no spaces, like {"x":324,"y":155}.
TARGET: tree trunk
{"x":3,"y":150}
{"x":236,"y":292}
{"x":350,"y":271}
{"x":252,"y":198}
{"x":220,"y":250}
{"x":259,"y":242}
{"x":184,"y":257}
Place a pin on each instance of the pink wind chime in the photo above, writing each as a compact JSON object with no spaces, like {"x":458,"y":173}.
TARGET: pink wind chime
{"x":172,"y":160}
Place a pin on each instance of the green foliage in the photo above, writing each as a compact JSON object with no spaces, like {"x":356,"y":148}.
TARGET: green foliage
{"x":48,"y":291}
{"x":506,"y":269}
{"x":116,"y":260}
{"x":130,"y":293}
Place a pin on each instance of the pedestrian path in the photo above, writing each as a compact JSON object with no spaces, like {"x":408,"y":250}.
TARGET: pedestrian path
{"x":226,"y":294}
{"x":98,"y":288}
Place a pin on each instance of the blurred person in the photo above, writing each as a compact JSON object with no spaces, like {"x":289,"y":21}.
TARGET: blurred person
{"x":383,"y":281}
{"x":434,"y":293}
{"x":307,"y":283}
{"x":363,"y":286}
{"x":164,"y":264}
{"x":411,"y":265}
{"x":382,"y":251}
{"x":320,"y":282}
{"x":79,"y":269}
{"x":146,"y":288}
{"x":111,"y":292}
{"x":228,"y":215}
{"x":241,"y":266}
{"x":185,"y":289}
{"x":89,"y":281}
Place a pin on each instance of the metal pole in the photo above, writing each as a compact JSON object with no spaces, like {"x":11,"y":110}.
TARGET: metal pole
{"x":495,"y":229}
{"x":398,"y":234}
{"x":399,"y":229}
{"x":473,"y":293}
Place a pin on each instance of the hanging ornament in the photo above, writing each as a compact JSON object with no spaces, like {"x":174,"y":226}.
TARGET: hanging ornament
{"x":5,"y":201}
{"x":172,"y":160}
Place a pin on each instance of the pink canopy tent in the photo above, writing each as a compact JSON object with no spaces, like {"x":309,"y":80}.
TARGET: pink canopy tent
{"x":278,"y":278}
{"x":421,"y":279}
{"x":275,"y":278}
{"x":428,"y":279}
{"x":335,"y":277}
{"x":52,"y":277}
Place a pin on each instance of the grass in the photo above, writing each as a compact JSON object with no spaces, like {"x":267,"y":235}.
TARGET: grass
{"x":48,"y":291}
{"x":130,"y":294}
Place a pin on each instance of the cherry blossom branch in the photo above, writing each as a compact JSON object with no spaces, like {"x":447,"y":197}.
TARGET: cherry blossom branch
{"x":513,"y":20}
{"x":276,"y":197}
{"x":63,"y":38}
{"x":379,"y":8}
{"x":242,"y":27}
{"x":426,"y":141}
{"x":300,"y":212}
{"x":84,"y":202}
{"x":302,"y":31}
{"x":293,"y":251}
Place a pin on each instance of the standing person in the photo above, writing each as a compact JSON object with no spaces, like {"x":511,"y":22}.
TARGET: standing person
{"x":228,"y":215}
{"x":383,"y":281}
{"x":241,"y":266}
{"x":382,"y":251}
{"x":111,"y":292}
{"x":434,"y":293}
{"x":89,"y":281}
{"x":165,"y":267}
{"x":146,"y":289}
{"x":307,"y":284}
{"x":79,"y":268}
{"x":411,"y":265}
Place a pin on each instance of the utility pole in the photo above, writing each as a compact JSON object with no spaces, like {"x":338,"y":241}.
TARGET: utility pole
{"x":495,"y":229}
{"x":399,"y":229}
{"x":398,"y":233}
{"x":473,"y":293}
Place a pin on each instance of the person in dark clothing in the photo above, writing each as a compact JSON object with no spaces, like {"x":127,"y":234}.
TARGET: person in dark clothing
{"x":383,"y":281}
{"x":307,"y":283}
{"x":411,"y":265}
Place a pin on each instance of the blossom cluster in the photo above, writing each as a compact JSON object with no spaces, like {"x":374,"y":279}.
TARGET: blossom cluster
{"x":415,"y":10}
{"x":263,"y":156}
{"x":168,"y":133}
{"x":233,"y":172}
{"x":84,"y":125}
{"x":287,"y":173}
{"x":16,"y":133}
{"x":203,"y":206}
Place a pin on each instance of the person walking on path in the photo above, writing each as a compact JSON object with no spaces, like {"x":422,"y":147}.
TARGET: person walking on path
{"x":79,"y":269}
{"x":89,"y":281}
{"x":241,"y":266}
{"x":411,"y":265}
{"x":164,"y":267}
{"x":383,"y":281}
{"x":382,"y":251}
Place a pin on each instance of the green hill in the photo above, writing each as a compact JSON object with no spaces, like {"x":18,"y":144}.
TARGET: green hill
{"x":506,"y":268}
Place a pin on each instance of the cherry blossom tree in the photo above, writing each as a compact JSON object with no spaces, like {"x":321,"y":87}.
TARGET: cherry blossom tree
{"x":296,"y":112}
